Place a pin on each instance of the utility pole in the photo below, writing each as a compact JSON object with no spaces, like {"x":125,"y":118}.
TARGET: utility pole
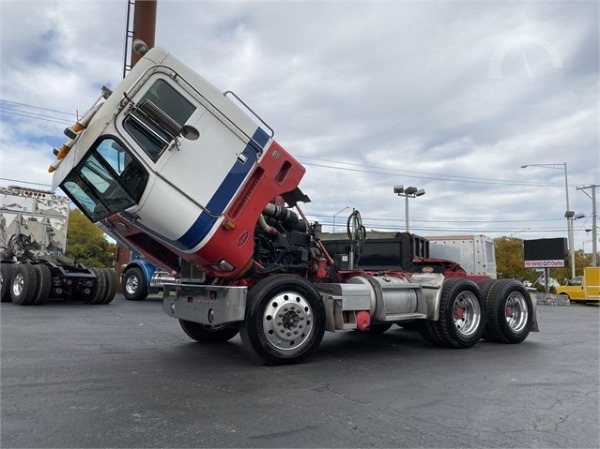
{"x":594,"y":226}
{"x":143,"y":27}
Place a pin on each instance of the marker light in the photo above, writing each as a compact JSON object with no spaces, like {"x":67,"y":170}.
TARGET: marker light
{"x":228,"y":225}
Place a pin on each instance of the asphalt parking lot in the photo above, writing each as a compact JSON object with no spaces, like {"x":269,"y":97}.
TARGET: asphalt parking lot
{"x":125,"y":375}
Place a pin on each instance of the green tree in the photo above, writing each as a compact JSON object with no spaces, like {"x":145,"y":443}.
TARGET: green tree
{"x":86,"y":243}
{"x":510,"y":263}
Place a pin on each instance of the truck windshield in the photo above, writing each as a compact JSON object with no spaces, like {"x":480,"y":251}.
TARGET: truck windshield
{"x":108,"y":180}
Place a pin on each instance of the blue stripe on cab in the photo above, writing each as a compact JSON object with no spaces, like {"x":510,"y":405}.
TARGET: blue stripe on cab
{"x":224,"y":193}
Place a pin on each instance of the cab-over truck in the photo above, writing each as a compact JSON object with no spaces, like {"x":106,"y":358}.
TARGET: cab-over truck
{"x":192,"y":179}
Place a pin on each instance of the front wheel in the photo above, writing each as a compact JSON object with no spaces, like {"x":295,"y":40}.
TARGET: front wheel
{"x":134,"y":285}
{"x":510,"y":312}
{"x":207,"y":334}
{"x":285,"y":320}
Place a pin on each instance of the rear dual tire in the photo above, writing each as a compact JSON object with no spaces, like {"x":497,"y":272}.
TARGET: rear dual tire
{"x":104,"y":288}
{"x":24,"y":284}
{"x":462,"y":316}
{"x":6,"y":276}
{"x":509,"y":312}
{"x":503,"y":313}
{"x":44,"y":284}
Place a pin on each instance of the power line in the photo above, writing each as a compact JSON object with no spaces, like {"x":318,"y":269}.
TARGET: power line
{"x":36,"y":107}
{"x":416,"y":175}
{"x":523,"y":220}
{"x":37,"y":117}
{"x":455,"y":230}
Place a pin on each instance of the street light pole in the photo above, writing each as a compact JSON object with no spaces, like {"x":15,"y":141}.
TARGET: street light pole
{"x":572,"y":218}
{"x":568,"y":213}
{"x":594,"y":226}
{"x":409,"y":192}
{"x":336,"y":214}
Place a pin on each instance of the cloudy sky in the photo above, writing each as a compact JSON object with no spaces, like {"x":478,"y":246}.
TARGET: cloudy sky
{"x":451,"y":97}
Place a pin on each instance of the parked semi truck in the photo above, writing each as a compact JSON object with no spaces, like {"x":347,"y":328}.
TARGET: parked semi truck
{"x":141,"y":278}
{"x":192,"y":179}
{"x":33,"y":239}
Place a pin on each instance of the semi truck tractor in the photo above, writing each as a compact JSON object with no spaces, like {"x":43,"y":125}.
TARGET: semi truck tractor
{"x":33,"y":239}
{"x":191,"y":178}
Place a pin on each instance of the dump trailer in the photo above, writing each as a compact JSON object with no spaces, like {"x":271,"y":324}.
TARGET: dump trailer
{"x":33,"y":239}
{"x":191,"y":178}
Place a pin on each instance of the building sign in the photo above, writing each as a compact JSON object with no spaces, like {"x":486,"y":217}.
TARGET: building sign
{"x":544,"y":263}
{"x":546,"y":253}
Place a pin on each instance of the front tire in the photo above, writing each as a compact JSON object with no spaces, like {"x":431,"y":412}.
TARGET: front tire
{"x":207,"y":334}
{"x":510,"y":312}
{"x":134,"y":285}
{"x":285,"y":320}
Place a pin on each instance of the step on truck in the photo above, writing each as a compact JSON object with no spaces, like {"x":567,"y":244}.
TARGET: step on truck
{"x":33,"y":239}
{"x":191,"y":178}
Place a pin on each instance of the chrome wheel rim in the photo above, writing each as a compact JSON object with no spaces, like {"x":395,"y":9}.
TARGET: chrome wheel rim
{"x":18,"y":284}
{"x":131,"y":285}
{"x":288,"y":321}
{"x":516,"y":312}
{"x":466,"y":313}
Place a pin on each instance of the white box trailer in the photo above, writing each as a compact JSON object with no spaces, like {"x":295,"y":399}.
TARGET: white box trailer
{"x":475,"y":253}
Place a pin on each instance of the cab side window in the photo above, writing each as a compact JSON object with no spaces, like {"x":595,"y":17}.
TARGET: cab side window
{"x":149,"y":135}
